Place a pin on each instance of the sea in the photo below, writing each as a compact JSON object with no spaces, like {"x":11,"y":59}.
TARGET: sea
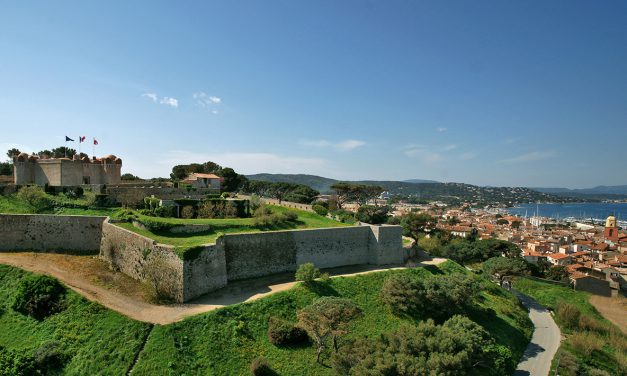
{"x":586,"y":210}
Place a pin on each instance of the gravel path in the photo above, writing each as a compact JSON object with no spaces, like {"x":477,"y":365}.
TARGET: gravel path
{"x":537,"y":358}
{"x":124,"y":295}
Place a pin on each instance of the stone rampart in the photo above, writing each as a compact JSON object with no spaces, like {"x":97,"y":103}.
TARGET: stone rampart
{"x":50,"y":233}
{"x":143,"y":259}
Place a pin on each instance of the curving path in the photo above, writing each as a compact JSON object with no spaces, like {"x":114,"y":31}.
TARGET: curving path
{"x":536,"y":360}
{"x":121,"y":294}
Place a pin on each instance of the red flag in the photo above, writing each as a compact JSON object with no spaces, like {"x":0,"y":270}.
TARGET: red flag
{"x":81,"y":139}
{"x":95,"y":142}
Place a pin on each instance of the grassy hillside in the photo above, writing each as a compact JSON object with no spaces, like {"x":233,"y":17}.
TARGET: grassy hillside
{"x":56,"y":204}
{"x":226,"y":226}
{"x":591,"y":341}
{"x":225,"y":341}
{"x":95,"y":340}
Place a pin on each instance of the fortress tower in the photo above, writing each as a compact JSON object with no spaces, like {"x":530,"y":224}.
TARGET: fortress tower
{"x":66,"y":172}
{"x":611,"y":231}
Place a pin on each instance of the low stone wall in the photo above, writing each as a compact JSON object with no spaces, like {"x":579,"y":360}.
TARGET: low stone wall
{"x":143,"y":259}
{"x":287,"y":204}
{"x":50,"y":233}
{"x":134,"y":196}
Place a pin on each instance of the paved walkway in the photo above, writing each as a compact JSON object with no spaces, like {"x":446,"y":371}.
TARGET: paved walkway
{"x":77,"y":273}
{"x":536,"y":360}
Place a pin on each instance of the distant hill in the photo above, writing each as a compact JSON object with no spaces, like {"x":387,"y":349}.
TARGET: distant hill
{"x":601,"y":191}
{"x":419,"y":181}
{"x":319,"y":183}
{"x":446,"y":192}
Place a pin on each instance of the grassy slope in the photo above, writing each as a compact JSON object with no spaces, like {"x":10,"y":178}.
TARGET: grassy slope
{"x":11,"y":204}
{"x":225,"y":341}
{"x":228,"y":226}
{"x":548,"y":295}
{"x":98,"y":340}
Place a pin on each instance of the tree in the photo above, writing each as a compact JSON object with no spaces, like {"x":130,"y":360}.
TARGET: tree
{"x":431,"y":244}
{"x":12,"y":153}
{"x":503,"y":267}
{"x":326,"y":317}
{"x":352,"y":192}
{"x":128,"y":176}
{"x":457,"y":347}
{"x":6,"y":168}
{"x":557,"y":273}
{"x":372,"y":214}
{"x":232,"y":181}
{"x":417,"y":224}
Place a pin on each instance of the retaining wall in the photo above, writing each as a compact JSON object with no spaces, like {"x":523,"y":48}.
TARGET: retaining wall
{"x":50,"y":233}
{"x":143,"y":259}
{"x":134,"y":196}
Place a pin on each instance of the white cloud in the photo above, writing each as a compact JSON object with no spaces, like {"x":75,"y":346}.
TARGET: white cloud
{"x":468,"y":156}
{"x":423,"y":152}
{"x":346,"y":145}
{"x":152,"y":96}
{"x":168,"y":101}
{"x":441,"y":129}
{"x":449,"y":147}
{"x":206,"y":101}
{"x":532,"y":156}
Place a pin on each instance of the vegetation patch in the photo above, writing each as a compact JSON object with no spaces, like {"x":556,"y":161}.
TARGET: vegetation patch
{"x":226,"y":341}
{"x":39,"y":296}
{"x":593,"y":345}
{"x":82,"y":339}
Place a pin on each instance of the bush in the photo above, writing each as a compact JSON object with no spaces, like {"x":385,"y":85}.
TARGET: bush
{"x":590,"y":324}
{"x":166,"y":211}
{"x":282,"y":332}
{"x":35,"y":196}
{"x":225,"y":195}
{"x":260,"y":367}
{"x":16,"y":363}
{"x":187,"y":212}
{"x":568,"y":314}
{"x":320,"y":210}
{"x":307,"y":272}
{"x":39,"y":296}
{"x":49,"y":357}
{"x":255,"y":202}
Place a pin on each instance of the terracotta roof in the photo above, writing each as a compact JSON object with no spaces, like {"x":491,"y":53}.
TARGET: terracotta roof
{"x":557,"y":256}
{"x":205,"y":176}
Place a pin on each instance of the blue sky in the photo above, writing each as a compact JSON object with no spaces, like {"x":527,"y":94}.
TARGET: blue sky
{"x":530,"y":93}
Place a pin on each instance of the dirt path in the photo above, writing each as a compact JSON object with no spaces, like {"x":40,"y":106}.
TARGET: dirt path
{"x":614,"y":309}
{"x":90,"y":277}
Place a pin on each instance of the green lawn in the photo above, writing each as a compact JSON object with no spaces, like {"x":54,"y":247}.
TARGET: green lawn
{"x":224,"y":342}
{"x":62,"y":205}
{"x":226,"y":226}
{"x":98,"y":341}
{"x":609,"y":353}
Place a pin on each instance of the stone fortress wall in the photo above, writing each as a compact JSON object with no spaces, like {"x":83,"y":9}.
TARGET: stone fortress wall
{"x":209,"y":267}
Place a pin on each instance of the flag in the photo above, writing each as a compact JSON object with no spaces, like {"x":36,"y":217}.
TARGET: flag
{"x":81,"y":139}
{"x":68,"y":139}
{"x":95,"y":142}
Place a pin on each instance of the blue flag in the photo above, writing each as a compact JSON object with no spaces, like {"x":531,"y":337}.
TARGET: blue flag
{"x":68,"y":139}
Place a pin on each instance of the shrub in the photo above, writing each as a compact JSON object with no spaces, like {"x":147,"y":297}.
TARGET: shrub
{"x":260,"y":367}
{"x":35,"y":196}
{"x":16,"y":363}
{"x":187,"y":212}
{"x":166,"y":211}
{"x":307,"y":272}
{"x":38,"y":296}
{"x":262,"y":211}
{"x":290,"y":216}
{"x":282,"y":332}
{"x":254,"y":202}
{"x":590,"y":324}
{"x":568,"y":365}
{"x":49,"y":357}
{"x":568,"y":314}
{"x":225,"y":195}
{"x":320,"y":210}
